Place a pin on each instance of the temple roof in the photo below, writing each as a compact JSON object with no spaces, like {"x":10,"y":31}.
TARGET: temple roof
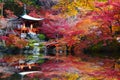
{"x":25,"y":16}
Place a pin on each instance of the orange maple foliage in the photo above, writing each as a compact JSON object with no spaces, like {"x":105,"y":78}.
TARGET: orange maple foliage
{"x":86,"y":24}
{"x":14,"y":40}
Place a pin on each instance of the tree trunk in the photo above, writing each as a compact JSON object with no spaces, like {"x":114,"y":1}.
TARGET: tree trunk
{"x":110,"y":29}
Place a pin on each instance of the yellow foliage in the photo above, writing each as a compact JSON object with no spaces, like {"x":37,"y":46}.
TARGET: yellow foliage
{"x":71,"y":7}
{"x":55,"y":79}
{"x":72,"y":76}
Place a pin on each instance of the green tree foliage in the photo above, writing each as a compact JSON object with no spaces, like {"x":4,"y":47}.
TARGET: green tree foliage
{"x":29,"y":2}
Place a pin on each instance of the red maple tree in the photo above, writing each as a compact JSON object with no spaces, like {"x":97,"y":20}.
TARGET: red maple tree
{"x":107,"y":13}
